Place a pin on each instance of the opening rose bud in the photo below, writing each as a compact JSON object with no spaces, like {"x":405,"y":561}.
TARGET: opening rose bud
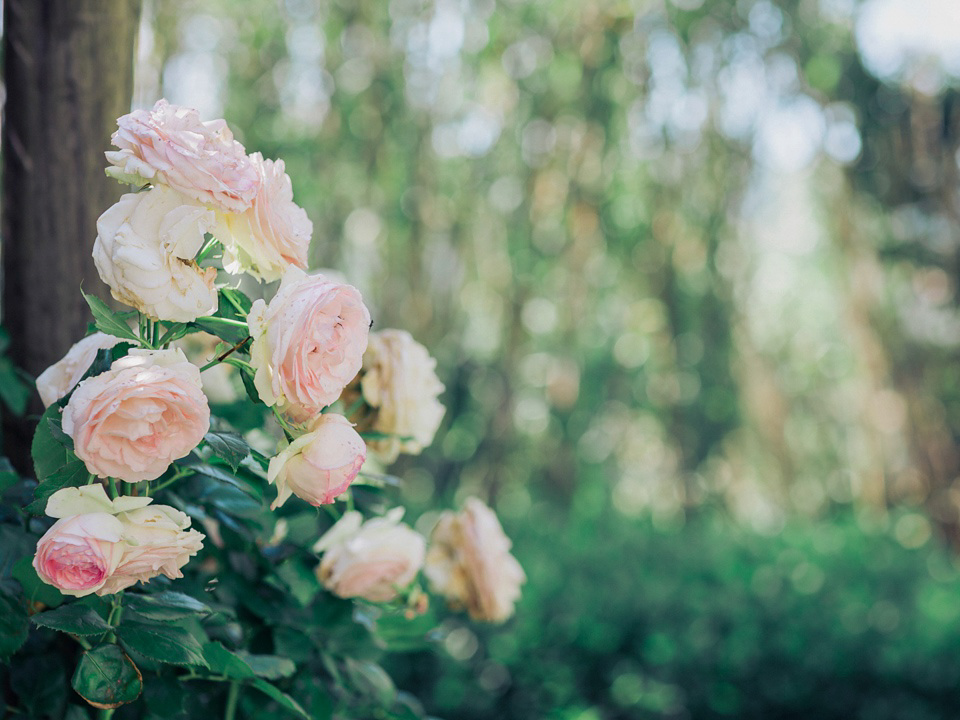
{"x":78,"y":554}
{"x":320,"y":465}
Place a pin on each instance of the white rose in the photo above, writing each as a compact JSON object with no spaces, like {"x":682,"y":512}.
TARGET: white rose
{"x":400,"y":382}
{"x":372,"y":559}
{"x":58,"y":379}
{"x":273,"y":234}
{"x":145,"y":249}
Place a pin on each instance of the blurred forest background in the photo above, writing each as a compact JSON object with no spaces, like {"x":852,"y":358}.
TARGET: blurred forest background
{"x":690,"y":272}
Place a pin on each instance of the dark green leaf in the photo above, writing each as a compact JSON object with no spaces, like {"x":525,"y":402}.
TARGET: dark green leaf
{"x":73,"y":474}
{"x":107,"y":678}
{"x":164,"y":643}
{"x":48,"y":454}
{"x":300,"y":579}
{"x":231,"y":501}
{"x":56,"y":430}
{"x":14,"y":625}
{"x":107,"y":320}
{"x":229,"y":446}
{"x":224,"y":662}
{"x":247,"y":375}
{"x":372,"y":680}
{"x":13,"y":390}
{"x":233,"y":303}
{"x":270,"y":667}
{"x":8,"y":476}
{"x":233,"y":331}
{"x":281,"y":698}
{"x":165,"y":606}
{"x":74,"y":619}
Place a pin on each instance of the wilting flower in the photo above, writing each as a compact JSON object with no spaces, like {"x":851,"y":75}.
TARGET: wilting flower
{"x":308,"y":343}
{"x":169,"y":145}
{"x":101,"y":545}
{"x":59,"y":379}
{"x":273,"y":234}
{"x":135,"y":419}
{"x":145,"y":249}
{"x":320,"y":465}
{"x":372,"y":559}
{"x":469,"y":562}
{"x":400,"y":382}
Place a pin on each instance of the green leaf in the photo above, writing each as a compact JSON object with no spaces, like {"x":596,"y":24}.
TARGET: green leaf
{"x":281,"y":698}
{"x":247,"y":375}
{"x":74,"y":619}
{"x":107,"y":320}
{"x":73,"y":474}
{"x":49,"y":455}
{"x":174,"y":331}
{"x":222,"y":475}
{"x":271,"y":667}
{"x":8,"y":476}
{"x":35,"y":590}
{"x":163,"y":643}
{"x":233,"y":331}
{"x":107,"y":678}
{"x":56,"y":430}
{"x":13,"y":390}
{"x":372,"y":680}
{"x":165,"y":606}
{"x":233,"y":303}
{"x":14,"y":625}
{"x":300,"y":579}
{"x":229,"y":446}
{"x":233,"y":502}
{"x":224,"y":662}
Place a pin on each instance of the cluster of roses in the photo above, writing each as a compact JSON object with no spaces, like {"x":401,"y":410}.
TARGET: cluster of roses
{"x":310,"y":347}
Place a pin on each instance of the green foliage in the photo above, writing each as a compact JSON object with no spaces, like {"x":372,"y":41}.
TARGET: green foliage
{"x":108,"y":321}
{"x":106,"y":677}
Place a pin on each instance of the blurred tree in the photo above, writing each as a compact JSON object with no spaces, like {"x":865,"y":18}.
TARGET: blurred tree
{"x":68,"y":74}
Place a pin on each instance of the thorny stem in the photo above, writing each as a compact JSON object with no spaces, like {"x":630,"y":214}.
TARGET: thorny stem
{"x":223,"y":356}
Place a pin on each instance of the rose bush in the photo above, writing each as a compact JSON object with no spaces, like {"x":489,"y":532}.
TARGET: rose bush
{"x":284,"y":608}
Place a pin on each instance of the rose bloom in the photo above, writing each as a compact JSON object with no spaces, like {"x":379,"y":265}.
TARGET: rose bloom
{"x":59,"y":379}
{"x":400,"y":382}
{"x":320,"y":465}
{"x":469,"y":562}
{"x":169,"y":145}
{"x":158,"y":542}
{"x":273,"y":234}
{"x":103,"y":546}
{"x":372,"y":559}
{"x":308,"y":343}
{"x":135,"y":419}
{"x":145,"y":249}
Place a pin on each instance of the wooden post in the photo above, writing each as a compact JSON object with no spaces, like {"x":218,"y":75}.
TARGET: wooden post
{"x":68,"y":72}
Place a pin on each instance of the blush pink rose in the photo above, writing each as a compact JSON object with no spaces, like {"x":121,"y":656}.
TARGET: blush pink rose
{"x":320,"y":465}
{"x":135,"y":419}
{"x":103,"y":546}
{"x":469,"y":562}
{"x":273,"y":234}
{"x":78,"y":554}
{"x":169,"y":145}
{"x":308,"y":343}
{"x":59,"y":379}
{"x":371,"y":559}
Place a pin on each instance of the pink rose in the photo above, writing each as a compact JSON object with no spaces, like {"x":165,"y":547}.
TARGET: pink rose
{"x":169,"y":145}
{"x":79,"y":553}
{"x":273,"y":234}
{"x":308,"y":343}
{"x":103,"y":546}
{"x":319,"y":465}
{"x":59,"y":379}
{"x":369,"y":560}
{"x":135,"y":419}
{"x":469,"y":561}
{"x":400,"y":382}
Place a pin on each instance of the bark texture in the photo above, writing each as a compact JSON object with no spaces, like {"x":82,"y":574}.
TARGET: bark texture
{"x":68,"y":72}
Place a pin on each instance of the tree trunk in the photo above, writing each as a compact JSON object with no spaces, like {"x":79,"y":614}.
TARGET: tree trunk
{"x":68,"y":71}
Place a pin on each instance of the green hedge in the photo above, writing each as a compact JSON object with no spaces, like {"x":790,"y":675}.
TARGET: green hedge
{"x":620,"y":619}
